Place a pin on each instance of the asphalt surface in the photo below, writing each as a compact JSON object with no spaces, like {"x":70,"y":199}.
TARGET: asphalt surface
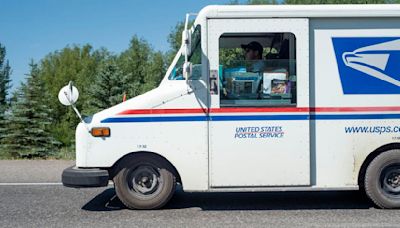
{"x":32,"y":171}
{"x":51,"y":205}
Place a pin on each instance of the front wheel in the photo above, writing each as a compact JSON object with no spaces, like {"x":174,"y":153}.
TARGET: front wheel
{"x":145,"y":182}
{"x":382,"y":180}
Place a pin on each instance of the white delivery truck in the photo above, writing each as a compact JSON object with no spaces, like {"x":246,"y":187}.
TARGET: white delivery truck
{"x":259,"y":98}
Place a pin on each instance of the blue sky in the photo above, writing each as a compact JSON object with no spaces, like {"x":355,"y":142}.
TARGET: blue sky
{"x":31,"y":29}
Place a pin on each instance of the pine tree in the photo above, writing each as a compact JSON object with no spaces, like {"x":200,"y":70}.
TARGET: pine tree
{"x":28,"y":135}
{"x":14,"y":141}
{"x":108,"y":88}
{"x":5,"y":81}
{"x":4,"y":126}
{"x":5,"y":85}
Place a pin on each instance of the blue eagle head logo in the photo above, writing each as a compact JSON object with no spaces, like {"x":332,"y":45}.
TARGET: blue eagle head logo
{"x":368,"y":65}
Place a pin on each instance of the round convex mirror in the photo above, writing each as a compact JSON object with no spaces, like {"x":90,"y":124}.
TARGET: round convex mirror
{"x":68,"y":95}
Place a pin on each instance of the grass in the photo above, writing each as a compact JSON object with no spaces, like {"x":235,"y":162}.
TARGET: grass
{"x":65,"y":153}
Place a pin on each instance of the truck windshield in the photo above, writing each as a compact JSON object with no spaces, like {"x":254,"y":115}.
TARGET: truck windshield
{"x":194,"y":58}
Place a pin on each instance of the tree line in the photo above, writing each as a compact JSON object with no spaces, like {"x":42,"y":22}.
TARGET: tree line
{"x":32,"y":122}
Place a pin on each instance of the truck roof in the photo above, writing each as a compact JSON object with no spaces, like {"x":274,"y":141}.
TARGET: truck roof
{"x":303,"y":11}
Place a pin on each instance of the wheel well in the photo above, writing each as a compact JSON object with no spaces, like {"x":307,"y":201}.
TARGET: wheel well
{"x":370,"y":157}
{"x":115,"y":168}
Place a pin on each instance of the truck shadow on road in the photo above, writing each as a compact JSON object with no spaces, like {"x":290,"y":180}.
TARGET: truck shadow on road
{"x":108,"y":201}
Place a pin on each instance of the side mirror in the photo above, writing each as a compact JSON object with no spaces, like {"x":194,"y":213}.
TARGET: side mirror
{"x":187,"y":42}
{"x":68,"y":95}
{"x":187,"y":70}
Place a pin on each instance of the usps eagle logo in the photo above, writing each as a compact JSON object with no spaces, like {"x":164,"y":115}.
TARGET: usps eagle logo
{"x":368,"y":65}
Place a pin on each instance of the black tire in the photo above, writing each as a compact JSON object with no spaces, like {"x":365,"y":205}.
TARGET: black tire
{"x":144,"y":182}
{"x":382,"y":180}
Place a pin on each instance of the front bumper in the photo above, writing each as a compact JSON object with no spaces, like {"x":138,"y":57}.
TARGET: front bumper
{"x":75,"y":177}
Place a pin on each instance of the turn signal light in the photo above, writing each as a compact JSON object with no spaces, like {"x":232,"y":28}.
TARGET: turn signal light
{"x":100,"y":132}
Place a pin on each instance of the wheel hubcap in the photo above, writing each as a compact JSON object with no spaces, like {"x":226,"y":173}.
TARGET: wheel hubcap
{"x":145,"y":180}
{"x":390,"y":180}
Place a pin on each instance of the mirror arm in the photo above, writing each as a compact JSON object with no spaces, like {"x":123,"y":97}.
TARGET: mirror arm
{"x":76,"y":110}
{"x":69,"y":98}
{"x":80,"y":117}
{"x":187,"y":21}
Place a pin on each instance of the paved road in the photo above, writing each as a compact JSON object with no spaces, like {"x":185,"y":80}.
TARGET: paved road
{"x":28,"y":171}
{"x":55,"y":205}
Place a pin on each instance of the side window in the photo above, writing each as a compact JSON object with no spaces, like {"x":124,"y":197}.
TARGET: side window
{"x":257,"y":69}
{"x":194,"y":58}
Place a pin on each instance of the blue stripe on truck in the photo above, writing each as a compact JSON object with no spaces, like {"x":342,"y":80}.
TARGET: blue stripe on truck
{"x":355,"y":116}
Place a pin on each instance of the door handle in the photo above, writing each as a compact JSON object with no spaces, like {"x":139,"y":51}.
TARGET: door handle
{"x":214,"y":82}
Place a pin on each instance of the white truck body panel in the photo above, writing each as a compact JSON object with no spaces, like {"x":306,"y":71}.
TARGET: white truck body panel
{"x":339,"y":155}
{"x":327,"y":136}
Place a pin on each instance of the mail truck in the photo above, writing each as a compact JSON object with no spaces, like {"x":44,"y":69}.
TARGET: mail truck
{"x":314,"y":106}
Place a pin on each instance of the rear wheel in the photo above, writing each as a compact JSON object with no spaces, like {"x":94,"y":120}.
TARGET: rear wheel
{"x":382,"y":180}
{"x":145,"y":182}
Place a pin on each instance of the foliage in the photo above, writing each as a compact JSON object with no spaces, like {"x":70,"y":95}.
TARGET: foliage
{"x":4,"y":125}
{"x":102,"y":78}
{"x":5,"y":85}
{"x":143,"y":67}
{"x":229,"y":56}
{"x":156,"y":71}
{"x":254,"y":2}
{"x":77,"y":64}
{"x":5,"y":81}
{"x":262,"y":2}
{"x":27,"y":132}
{"x":269,"y":2}
{"x":335,"y":1}
{"x":175,"y":39}
{"x":108,"y":87}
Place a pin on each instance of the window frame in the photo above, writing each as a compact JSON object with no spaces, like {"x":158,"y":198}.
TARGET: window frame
{"x":263,"y":99}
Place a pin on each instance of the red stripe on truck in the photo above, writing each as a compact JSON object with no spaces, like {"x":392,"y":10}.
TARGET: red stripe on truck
{"x":261,"y":110}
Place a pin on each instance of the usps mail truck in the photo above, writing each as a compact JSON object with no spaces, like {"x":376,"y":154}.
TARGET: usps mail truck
{"x":259,"y":98}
